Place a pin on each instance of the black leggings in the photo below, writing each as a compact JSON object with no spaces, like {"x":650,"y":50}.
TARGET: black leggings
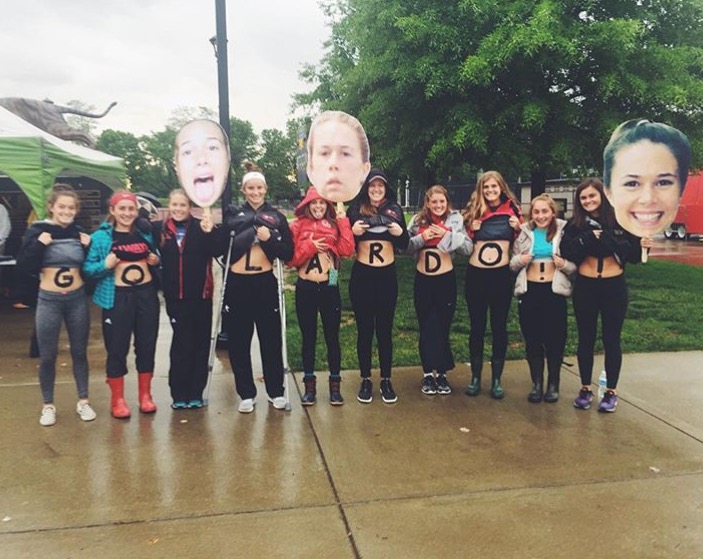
{"x":543,"y":323}
{"x":253,"y":299}
{"x":435,"y":303}
{"x":374,"y":293}
{"x":310,"y":298}
{"x":607,"y":297}
{"x":136,"y":309}
{"x":191,"y":320}
{"x":488,"y":288}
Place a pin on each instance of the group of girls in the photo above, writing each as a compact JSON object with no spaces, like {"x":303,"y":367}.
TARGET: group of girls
{"x":549,"y":259}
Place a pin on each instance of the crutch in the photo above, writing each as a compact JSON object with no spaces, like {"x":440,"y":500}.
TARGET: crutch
{"x":218,"y":321}
{"x":284,"y":343}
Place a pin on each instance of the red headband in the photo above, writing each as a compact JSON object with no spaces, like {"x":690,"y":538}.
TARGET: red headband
{"x":117,"y":197}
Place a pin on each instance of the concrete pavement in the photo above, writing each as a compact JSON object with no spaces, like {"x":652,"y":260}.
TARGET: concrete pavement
{"x":431,"y":476}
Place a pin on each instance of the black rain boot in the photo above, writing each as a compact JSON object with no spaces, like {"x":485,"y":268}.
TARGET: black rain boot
{"x":552,"y":394}
{"x":475,"y":386}
{"x":497,"y":391}
{"x":335,"y":393}
{"x":537,"y":374}
{"x":308,"y":399}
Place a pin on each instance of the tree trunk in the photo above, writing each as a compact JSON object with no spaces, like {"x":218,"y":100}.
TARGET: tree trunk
{"x":538,"y":182}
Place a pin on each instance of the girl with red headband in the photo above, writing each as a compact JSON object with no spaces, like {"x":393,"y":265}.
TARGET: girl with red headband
{"x":435,"y":233}
{"x":321,"y":237}
{"x":120,"y":259}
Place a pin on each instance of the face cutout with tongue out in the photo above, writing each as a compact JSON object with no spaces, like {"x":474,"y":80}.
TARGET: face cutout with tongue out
{"x":202,"y":161}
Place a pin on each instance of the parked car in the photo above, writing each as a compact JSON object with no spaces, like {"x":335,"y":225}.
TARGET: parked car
{"x":689,"y":218}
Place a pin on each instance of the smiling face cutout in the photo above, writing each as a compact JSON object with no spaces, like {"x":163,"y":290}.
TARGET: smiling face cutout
{"x":644,"y":188}
{"x":645,"y":167}
{"x":202,"y":161}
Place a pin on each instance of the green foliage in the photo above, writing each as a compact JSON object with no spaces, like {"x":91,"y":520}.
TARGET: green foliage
{"x":663,"y":297}
{"x":278,"y":159}
{"x":447,"y":87}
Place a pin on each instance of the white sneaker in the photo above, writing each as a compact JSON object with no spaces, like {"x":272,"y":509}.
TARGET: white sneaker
{"x":85,"y":412}
{"x":279,"y":402}
{"x":48,"y":416}
{"x":246,"y":406}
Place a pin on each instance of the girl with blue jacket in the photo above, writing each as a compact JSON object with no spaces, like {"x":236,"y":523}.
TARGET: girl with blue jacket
{"x":121,"y":258}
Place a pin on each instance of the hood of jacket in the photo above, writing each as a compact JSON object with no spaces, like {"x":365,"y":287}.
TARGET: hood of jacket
{"x":310,"y":196}
{"x":363,"y":196}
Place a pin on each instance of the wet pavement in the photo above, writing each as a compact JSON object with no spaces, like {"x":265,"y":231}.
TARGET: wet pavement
{"x":685,"y":252}
{"x":430,"y":476}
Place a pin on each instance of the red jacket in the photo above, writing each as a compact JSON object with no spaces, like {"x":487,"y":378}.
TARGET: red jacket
{"x":339,"y":237}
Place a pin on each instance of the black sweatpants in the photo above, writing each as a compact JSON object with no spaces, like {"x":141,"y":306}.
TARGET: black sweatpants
{"x":374,"y":294}
{"x":606,"y":297}
{"x":252,"y":299}
{"x":136,"y":310}
{"x":543,"y":323}
{"x":435,"y":303}
{"x":488,"y":289}
{"x":191,"y":320}
{"x":310,"y":298}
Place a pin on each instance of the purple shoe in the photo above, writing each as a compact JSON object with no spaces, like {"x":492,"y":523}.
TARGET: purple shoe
{"x":609,"y":402}
{"x":584,"y":399}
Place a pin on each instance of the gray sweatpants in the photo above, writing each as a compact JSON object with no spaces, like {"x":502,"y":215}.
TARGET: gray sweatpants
{"x":52,"y":309}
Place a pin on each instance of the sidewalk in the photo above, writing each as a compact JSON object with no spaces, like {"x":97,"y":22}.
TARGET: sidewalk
{"x":431,"y":476}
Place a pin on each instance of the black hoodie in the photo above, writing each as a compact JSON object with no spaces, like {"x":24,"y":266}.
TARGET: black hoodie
{"x":388,"y":212}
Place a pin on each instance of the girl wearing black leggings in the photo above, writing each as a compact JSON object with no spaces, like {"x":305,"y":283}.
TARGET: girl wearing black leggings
{"x":435,"y":233}
{"x":379,"y":228}
{"x":492,"y":219}
{"x":261,"y":235}
{"x":321,"y":237}
{"x":600,"y":247}
{"x":542,"y":286}
{"x":121,"y":258}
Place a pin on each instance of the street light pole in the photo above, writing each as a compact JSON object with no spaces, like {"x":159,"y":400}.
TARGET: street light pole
{"x":220,"y":45}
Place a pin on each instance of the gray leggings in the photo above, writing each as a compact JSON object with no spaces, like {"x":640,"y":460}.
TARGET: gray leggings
{"x":52,"y":309}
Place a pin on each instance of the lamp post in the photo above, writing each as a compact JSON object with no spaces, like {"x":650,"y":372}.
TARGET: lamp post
{"x":219,"y":44}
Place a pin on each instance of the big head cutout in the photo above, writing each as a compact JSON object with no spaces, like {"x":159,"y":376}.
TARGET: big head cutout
{"x":645,"y":167}
{"x":338,"y":156}
{"x":202,"y":160}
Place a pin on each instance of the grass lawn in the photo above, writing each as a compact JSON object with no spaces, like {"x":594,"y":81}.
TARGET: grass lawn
{"x":666,"y":303}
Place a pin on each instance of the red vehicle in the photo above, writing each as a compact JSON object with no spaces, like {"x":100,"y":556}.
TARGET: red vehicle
{"x":689,"y":218}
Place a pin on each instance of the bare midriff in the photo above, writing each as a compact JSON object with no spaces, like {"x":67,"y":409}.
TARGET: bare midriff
{"x":317,"y":268}
{"x":607,"y":268}
{"x":490,"y":254}
{"x":541,"y":270}
{"x":254,"y":261}
{"x":433,"y":262}
{"x":130,"y":274}
{"x":378,"y":254}
{"x":60,"y":279}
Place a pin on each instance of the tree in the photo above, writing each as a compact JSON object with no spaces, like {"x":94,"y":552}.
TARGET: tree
{"x":83,"y":123}
{"x":278,"y":161}
{"x":446,"y":88}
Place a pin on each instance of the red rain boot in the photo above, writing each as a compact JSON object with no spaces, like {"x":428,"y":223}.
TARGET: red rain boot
{"x":117,"y":403}
{"x":146,"y":404}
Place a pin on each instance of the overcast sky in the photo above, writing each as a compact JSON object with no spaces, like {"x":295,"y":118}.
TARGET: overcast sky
{"x":152,"y":56}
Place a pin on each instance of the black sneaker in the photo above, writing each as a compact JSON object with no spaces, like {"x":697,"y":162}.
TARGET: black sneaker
{"x":365,"y":394}
{"x":443,"y":385}
{"x":429,"y":386}
{"x":387,"y":393}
